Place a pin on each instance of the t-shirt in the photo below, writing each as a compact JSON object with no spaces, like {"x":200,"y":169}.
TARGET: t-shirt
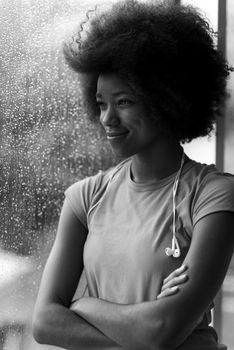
{"x":130,"y":224}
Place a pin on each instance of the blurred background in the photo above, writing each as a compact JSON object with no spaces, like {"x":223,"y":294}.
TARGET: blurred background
{"x":47,"y":143}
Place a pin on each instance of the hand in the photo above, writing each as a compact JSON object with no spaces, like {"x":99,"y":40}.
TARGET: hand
{"x":74,"y":305}
{"x":171,"y":282}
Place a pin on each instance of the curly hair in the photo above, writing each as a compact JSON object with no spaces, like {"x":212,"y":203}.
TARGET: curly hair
{"x":167,"y":55}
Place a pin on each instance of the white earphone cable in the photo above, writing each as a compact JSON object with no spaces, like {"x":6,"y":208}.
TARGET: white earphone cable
{"x":175,"y":249}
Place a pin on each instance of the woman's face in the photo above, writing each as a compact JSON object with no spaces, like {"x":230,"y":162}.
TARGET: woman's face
{"x":122,"y":114}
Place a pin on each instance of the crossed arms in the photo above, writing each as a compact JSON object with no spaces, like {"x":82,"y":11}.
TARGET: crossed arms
{"x":160,"y":324}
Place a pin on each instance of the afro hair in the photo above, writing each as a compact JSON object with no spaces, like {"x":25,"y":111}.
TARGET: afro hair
{"x":165,"y":52}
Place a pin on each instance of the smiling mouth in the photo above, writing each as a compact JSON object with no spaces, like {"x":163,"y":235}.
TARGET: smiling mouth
{"x":115,"y":135}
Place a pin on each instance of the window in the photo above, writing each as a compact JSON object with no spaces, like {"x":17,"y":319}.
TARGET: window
{"x":46,"y":144}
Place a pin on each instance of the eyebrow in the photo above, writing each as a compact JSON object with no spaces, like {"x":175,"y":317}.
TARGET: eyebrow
{"x":117,"y":93}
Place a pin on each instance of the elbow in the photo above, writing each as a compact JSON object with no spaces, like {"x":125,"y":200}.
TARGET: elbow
{"x":38,"y":332}
{"x":40,"y":329}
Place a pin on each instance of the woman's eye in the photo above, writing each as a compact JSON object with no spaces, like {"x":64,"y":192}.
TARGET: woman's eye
{"x":124,"y":102}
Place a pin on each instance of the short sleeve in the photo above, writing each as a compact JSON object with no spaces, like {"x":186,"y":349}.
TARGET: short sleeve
{"x":82,"y":194}
{"x":215,"y":193}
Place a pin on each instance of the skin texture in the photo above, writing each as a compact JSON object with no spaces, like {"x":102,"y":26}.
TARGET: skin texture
{"x":93,"y":323}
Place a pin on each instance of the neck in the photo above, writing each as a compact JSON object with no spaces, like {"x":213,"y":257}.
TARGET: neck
{"x":156,"y":164}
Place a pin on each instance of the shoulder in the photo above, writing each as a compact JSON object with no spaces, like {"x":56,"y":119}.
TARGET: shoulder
{"x":203,"y":177}
{"x":89,"y":184}
{"x":211,"y":181}
{"x":81,"y":194}
{"x":213,"y":190}
{"x":83,"y":191}
{"x":94,"y":186}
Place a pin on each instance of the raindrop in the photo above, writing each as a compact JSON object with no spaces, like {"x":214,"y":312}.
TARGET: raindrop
{"x":47,"y":141}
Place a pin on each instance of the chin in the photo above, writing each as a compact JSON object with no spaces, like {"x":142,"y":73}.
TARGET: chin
{"x":123,"y":153}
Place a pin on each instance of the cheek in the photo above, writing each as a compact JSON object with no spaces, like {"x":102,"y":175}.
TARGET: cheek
{"x":147,"y":125}
{"x":138,"y":120}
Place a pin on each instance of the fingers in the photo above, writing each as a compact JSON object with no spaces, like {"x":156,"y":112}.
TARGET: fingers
{"x":175,"y":281}
{"x":171,"y":283}
{"x":73,"y":305}
{"x":177,"y":277}
{"x":168,"y":292}
{"x":175,"y":273}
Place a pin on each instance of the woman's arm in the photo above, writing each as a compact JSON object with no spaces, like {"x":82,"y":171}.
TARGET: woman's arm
{"x":167,"y":322}
{"x":53,"y":322}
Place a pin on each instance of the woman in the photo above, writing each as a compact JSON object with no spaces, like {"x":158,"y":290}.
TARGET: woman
{"x":154,"y":234}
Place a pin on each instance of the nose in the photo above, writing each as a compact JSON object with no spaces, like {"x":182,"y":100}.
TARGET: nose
{"x":109,"y":117}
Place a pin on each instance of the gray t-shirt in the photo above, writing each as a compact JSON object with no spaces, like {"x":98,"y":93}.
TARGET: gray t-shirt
{"x":130,"y":225}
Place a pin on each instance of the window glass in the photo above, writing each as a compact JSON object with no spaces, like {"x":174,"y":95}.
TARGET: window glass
{"x":47,"y":143}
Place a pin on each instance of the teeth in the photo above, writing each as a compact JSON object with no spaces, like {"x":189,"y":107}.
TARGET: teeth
{"x":116,"y":135}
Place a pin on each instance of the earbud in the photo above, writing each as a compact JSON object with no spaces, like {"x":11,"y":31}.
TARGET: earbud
{"x":174,"y":250}
{"x":169,"y":251}
{"x":176,"y":253}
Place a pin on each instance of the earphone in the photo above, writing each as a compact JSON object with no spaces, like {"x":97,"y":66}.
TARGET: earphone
{"x":175,"y":248}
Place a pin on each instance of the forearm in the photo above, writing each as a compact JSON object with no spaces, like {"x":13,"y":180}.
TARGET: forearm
{"x":131,"y":320}
{"x":61,"y":327}
{"x":132,"y":326}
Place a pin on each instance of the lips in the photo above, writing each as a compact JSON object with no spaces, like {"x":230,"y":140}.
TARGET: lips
{"x":116,"y":134}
